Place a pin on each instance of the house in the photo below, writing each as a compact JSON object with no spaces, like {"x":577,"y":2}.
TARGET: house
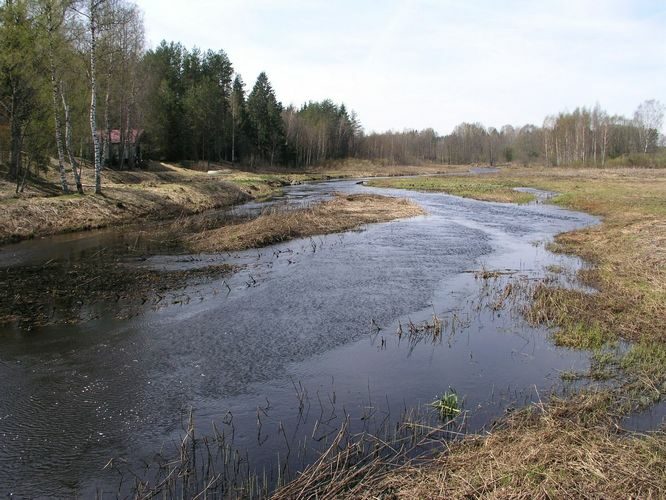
{"x":130,"y":150}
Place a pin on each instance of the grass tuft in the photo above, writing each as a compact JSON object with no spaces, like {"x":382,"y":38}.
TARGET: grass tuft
{"x":447,"y":405}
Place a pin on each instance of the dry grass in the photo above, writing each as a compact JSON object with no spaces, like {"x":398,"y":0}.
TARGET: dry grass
{"x":628,"y":253}
{"x":339,"y":214}
{"x":568,"y":448}
{"x":161,"y":191}
{"x":367,"y":168}
{"x":128,"y":197}
{"x":467,"y":187}
{"x":545,"y":451}
{"x":628,"y":250}
{"x":538,"y":456}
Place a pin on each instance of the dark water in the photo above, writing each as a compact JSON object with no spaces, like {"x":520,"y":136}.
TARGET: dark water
{"x":309,"y":323}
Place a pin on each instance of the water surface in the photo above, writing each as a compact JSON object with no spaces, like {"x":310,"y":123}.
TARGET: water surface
{"x":306,"y":325}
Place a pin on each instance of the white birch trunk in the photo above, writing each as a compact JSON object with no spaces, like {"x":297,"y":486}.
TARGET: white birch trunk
{"x":93,"y":97}
{"x":68,"y":143}
{"x":106,"y":139}
{"x":56,"y":115}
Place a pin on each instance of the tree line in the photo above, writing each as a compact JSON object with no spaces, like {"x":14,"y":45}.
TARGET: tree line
{"x":77,"y":86}
{"x":197,"y":108}
{"x":586,"y":136}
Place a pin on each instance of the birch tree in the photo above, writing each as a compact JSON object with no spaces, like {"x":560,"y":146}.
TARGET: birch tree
{"x":52,"y":14}
{"x":649,"y":118}
{"x":92,"y":12}
{"x":76,"y":168}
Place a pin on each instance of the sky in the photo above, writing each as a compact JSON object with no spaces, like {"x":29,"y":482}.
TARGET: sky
{"x":413,"y":64}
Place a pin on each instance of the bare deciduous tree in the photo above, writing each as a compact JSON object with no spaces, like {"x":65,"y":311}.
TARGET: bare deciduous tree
{"x":649,"y":118}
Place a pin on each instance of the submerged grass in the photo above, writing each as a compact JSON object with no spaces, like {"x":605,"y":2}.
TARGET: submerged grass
{"x":447,"y":405}
{"x":54,"y":292}
{"x":338,"y":214}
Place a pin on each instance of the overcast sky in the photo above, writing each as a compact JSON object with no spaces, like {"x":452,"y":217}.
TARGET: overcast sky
{"x":434,"y":63}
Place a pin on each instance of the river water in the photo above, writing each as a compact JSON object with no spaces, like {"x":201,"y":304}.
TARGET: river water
{"x":279,"y":353}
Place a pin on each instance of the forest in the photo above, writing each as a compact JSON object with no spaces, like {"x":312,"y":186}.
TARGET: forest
{"x":78,"y":86}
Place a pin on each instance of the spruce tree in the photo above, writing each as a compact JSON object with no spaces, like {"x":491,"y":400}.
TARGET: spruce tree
{"x":265,"y":114}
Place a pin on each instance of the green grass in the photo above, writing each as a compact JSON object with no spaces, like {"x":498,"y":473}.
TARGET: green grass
{"x":570,"y":375}
{"x":580,"y":336}
{"x":647,"y":358}
{"x":447,"y":405}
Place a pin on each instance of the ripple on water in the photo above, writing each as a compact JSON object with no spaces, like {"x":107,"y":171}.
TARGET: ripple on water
{"x":77,"y":395}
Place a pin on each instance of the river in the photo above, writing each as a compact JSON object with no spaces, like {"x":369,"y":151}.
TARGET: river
{"x":278,"y":353}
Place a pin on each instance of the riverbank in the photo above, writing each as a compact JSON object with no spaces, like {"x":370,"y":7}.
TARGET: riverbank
{"x":573,"y":447}
{"x":160,"y":192}
{"x":627,"y":251}
{"x":546,"y":451}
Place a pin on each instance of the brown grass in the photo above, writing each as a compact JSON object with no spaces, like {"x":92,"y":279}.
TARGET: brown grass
{"x":466,"y":187}
{"x":540,"y":456}
{"x":567,"y":448}
{"x":342,"y":213}
{"x":628,"y":253}
{"x":628,"y":250}
{"x":162,"y":191}
{"x":128,"y":197}
{"x":545,"y":451}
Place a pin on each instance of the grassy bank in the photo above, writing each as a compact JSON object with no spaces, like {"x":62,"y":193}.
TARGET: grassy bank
{"x":128,"y":197}
{"x":339,"y":214}
{"x":161,"y":191}
{"x":573,"y":447}
{"x":467,"y":187}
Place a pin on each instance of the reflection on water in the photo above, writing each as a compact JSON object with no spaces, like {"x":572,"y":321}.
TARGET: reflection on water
{"x":315,"y":317}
